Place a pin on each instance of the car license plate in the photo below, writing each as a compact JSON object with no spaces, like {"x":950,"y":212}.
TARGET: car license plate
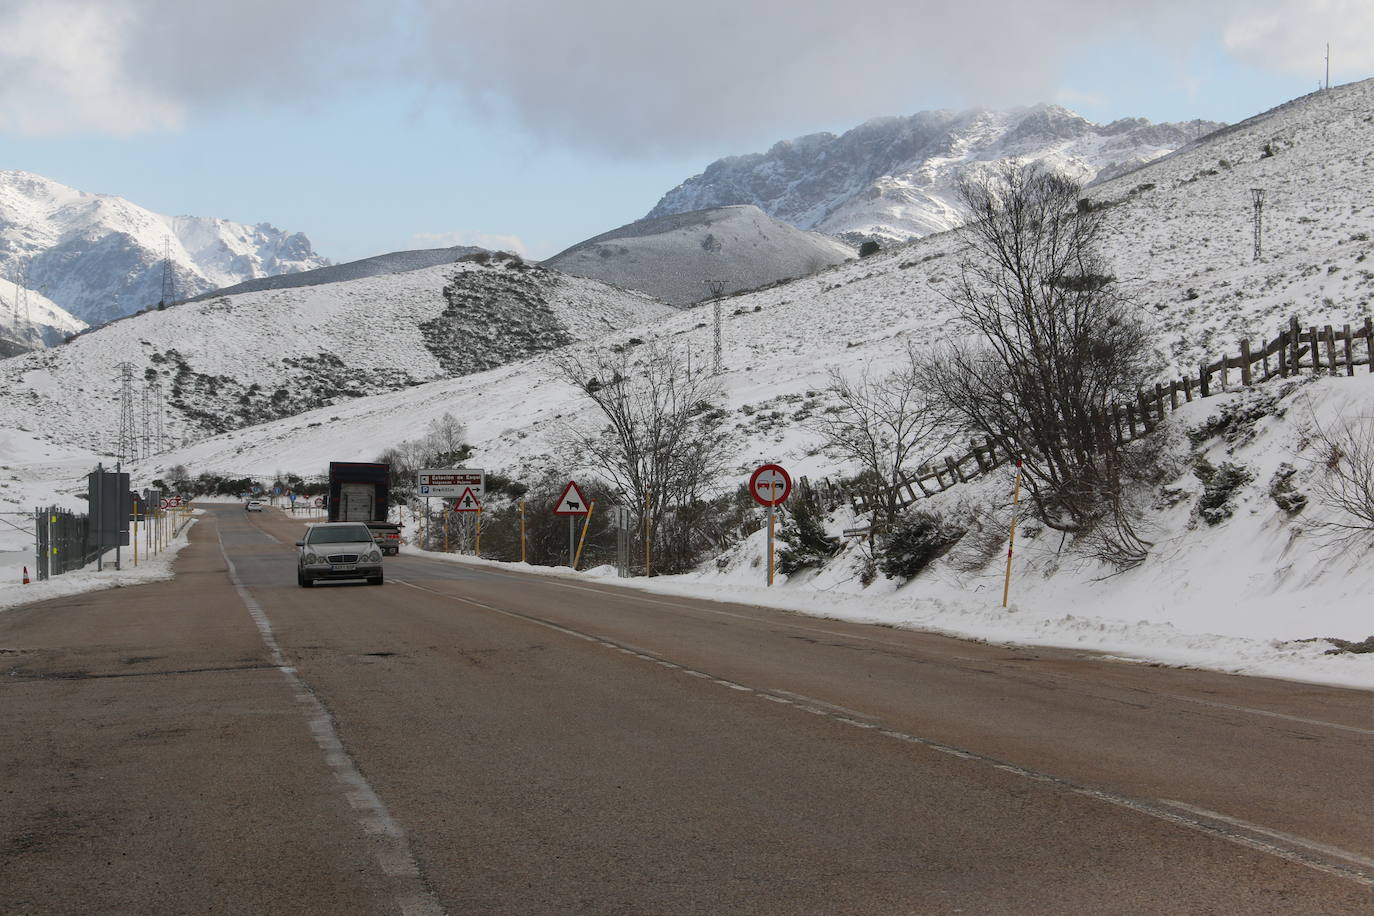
{"x":342,"y":567}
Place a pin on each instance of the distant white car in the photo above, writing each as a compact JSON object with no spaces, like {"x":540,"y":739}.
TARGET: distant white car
{"x":338,"y":550}
{"x":253,"y":505}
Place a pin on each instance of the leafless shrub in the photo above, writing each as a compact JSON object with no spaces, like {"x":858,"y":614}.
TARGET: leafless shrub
{"x":1343,"y":484}
{"x":884,"y":425}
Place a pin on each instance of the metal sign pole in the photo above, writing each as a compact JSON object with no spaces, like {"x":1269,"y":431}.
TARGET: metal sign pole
{"x":771,"y":515}
{"x":572,"y":537}
{"x":522,"y":531}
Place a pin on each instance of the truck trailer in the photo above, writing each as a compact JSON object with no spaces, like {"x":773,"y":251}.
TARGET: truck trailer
{"x":359,"y":491}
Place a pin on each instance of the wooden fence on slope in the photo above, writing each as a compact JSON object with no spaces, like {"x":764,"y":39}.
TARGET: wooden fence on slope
{"x":1316,"y":350}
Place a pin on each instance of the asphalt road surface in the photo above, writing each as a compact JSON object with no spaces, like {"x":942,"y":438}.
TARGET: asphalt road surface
{"x":470,"y":740}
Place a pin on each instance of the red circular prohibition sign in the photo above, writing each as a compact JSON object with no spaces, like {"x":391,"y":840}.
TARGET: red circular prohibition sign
{"x":770,"y":485}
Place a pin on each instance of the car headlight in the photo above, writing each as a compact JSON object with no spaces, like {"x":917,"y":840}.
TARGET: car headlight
{"x":374,"y":557}
{"x":311,"y":559}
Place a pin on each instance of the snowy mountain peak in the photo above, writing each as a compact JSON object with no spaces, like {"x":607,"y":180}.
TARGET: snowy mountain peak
{"x":100,"y":257}
{"x":894,"y":178}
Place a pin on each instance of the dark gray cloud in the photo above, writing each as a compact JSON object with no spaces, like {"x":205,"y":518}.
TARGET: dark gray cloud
{"x":641,"y":76}
{"x":619,"y":76}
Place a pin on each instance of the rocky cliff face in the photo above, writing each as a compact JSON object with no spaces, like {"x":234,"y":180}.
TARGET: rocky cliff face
{"x":894,"y":178}
{"x":100,"y":257}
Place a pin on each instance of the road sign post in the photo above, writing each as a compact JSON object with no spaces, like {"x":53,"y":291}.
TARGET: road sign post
{"x":770,"y":485}
{"x":586,"y":523}
{"x":572,"y":504}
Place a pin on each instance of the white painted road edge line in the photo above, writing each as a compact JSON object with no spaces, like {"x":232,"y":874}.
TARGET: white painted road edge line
{"x":389,"y":843}
{"x":1168,"y":811}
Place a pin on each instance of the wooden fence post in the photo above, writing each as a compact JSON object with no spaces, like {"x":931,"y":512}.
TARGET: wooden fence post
{"x":1295,"y":339}
{"x":978,"y":456}
{"x":1330,"y":349}
{"x":1348,"y":337}
{"x":1245,"y":362}
{"x":1203,"y":377}
{"x":1130,"y":420}
{"x":1264,"y":354}
{"x":1369,"y":341}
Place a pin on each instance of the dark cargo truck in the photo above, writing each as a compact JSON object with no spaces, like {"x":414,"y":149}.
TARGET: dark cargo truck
{"x":359,"y":491}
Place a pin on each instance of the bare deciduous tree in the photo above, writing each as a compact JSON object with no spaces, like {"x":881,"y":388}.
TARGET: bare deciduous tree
{"x":662,"y":443}
{"x":1052,"y":345}
{"x":884,"y":425}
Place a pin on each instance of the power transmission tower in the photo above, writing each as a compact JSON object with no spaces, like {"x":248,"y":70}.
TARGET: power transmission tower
{"x":168,"y":280}
{"x":159,"y":437}
{"x":716,"y":286}
{"x":127,"y":447}
{"x":146,"y":439}
{"x":19,"y":276}
{"x":1258,"y":196}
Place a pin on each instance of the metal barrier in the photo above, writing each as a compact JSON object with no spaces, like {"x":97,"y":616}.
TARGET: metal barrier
{"x":64,"y":541}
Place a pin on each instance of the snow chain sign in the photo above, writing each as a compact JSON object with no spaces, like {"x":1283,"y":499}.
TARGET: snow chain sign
{"x":451,"y":483}
{"x":770,"y":485}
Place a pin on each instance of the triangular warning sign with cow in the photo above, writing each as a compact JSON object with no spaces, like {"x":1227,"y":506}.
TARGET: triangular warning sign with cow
{"x":468,"y":502}
{"x":572,"y":502}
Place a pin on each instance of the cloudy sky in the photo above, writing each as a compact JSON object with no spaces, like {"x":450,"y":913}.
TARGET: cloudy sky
{"x":375,"y":125}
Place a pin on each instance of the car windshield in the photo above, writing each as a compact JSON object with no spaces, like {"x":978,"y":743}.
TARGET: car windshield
{"x":351,"y":534}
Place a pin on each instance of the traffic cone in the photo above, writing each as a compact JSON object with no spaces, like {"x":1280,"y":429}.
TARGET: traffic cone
{"x":26,"y":575}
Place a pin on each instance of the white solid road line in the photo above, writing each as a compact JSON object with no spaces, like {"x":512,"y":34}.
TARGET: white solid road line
{"x":412,"y":895}
{"x":1309,"y":853}
{"x":1323,"y":848}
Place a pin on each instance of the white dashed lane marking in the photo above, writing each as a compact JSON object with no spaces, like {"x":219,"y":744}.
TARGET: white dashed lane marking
{"x":1299,"y":850}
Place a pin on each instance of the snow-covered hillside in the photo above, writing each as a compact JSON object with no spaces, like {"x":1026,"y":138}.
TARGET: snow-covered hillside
{"x":233,"y":361}
{"x":893,"y":179}
{"x":671,"y":257}
{"x":1180,"y":238}
{"x":32,"y":320}
{"x":99,"y":256}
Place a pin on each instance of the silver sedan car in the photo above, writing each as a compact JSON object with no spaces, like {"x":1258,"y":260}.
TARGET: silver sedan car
{"x":338,"y":550}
